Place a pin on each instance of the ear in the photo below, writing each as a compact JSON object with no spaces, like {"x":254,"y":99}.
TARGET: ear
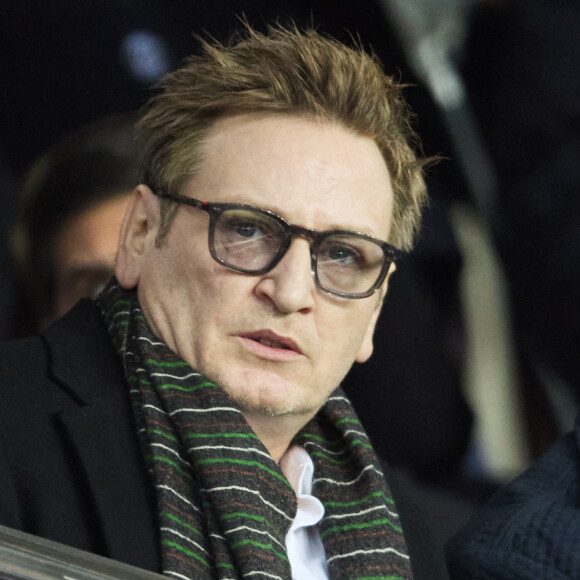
{"x":366,"y":348}
{"x":137,"y":236}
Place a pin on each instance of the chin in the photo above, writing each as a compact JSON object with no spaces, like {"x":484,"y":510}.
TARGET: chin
{"x":269,"y":404}
{"x":269,"y":408}
{"x":267,"y":394}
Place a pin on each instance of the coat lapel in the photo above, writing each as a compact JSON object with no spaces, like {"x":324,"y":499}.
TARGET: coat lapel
{"x":101,"y":436}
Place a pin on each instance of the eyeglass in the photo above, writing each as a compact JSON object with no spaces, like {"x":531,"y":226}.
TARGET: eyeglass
{"x":252,"y":241}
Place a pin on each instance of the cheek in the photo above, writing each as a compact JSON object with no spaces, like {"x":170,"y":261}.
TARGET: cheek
{"x":191,"y":274}
{"x":342,"y":332}
{"x":218,"y":295}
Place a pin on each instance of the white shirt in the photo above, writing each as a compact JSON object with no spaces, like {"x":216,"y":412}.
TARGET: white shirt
{"x":303,"y":543}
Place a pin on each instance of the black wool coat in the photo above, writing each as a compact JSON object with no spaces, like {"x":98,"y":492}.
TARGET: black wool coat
{"x":70,"y":465}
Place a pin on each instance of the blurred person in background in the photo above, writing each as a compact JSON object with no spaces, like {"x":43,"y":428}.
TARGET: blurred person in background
{"x":72,"y":204}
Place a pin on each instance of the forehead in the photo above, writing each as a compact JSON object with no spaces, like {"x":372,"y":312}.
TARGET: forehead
{"x":314,"y":173}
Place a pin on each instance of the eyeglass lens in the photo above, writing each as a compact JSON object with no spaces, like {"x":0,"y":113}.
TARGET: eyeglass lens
{"x":251,"y":241}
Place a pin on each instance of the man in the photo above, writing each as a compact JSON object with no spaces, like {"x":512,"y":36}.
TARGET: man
{"x":71,"y":208}
{"x":191,"y":421}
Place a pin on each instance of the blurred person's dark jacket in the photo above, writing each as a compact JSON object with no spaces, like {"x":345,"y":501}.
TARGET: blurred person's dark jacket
{"x":530,"y":529}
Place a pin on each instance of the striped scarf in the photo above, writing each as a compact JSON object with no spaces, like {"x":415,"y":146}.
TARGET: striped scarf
{"x":224,"y":506}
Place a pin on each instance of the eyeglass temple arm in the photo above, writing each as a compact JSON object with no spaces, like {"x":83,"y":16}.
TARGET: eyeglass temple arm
{"x":179,"y":198}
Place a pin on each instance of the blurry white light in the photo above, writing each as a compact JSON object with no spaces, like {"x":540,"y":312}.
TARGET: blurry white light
{"x":145,"y":55}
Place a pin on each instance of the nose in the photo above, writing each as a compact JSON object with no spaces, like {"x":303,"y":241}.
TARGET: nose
{"x":290,"y":285}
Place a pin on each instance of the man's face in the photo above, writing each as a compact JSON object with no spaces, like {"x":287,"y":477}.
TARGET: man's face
{"x":84,"y":252}
{"x":276,"y":343}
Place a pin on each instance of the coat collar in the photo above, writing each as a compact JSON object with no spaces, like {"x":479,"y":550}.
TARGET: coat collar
{"x":82,"y":357}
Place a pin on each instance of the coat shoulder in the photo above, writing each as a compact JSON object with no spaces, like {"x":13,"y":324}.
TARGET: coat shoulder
{"x":531,"y":528}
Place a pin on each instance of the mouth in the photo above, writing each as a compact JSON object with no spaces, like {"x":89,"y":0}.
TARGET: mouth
{"x":271,"y":340}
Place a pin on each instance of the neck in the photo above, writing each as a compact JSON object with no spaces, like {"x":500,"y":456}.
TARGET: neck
{"x":276,"y":432}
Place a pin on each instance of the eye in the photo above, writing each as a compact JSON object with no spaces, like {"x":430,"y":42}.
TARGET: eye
{"x":244,"y":225}
{"x":340,"y":255}
{"x":343,"y":254}
{"x":350,"y":251}
{"x":247,"y":229}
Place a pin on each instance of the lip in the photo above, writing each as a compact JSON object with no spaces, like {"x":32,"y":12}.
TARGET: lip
{"x":287,"y":350}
